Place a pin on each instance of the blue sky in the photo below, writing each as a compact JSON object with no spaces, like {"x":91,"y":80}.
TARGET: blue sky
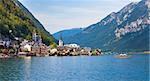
{"x":58,"y":15}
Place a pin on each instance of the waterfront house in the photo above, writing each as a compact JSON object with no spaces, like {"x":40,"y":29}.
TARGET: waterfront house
{"x":35,"y":49}
{"x":44,"y":49}
{"x":40,"y":49}
{"x":26,"y":47}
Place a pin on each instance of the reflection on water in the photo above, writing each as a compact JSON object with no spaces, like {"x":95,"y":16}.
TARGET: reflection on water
{"x":27,"y":69}
{"x":15,"y":69}
{"x":80,"y":68}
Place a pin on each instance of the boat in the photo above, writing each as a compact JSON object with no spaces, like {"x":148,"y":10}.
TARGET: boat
{"x":122,"y":56}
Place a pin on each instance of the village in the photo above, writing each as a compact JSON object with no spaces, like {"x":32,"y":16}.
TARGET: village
{"x":18,"y":48}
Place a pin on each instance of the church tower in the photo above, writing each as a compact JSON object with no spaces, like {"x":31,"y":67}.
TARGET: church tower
{"x":60,"y":40}
{"x":34,"y":36}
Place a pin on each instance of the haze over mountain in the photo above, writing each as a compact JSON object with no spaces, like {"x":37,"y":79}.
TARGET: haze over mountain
{"x":125,"y":30}
{"x":67,"y":33}
{"x":14,"y":16}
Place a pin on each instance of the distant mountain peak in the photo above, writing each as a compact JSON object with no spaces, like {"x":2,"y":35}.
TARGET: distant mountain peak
{"x":148,"y":3}
{"x":128,"y":7}
{"x":113,"y":15}
{"x":131,"y":24}
{"x":67,"y":33}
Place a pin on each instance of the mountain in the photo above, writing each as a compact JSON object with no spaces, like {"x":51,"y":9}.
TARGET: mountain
{"x":125,"y":30}
{"x":14,"y":16}
{"x":67,"y":33}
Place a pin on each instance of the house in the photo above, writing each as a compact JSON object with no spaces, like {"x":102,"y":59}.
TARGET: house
{"x":43,"y":49}
{"x":39,"y":49}
{"x":35,"y":49}
{"x":27,"y":47}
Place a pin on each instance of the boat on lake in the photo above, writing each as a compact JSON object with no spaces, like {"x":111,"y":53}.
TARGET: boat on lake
{"x":122,"y":55}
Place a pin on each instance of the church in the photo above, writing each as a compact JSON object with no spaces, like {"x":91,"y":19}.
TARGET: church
{"x":60,"y":41}
{"x":36,"y":38}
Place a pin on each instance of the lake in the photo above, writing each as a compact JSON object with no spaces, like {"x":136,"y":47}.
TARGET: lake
{"x":76,"y":68}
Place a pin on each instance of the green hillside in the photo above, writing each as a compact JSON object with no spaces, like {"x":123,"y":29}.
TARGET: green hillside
{"x":14,"y":16}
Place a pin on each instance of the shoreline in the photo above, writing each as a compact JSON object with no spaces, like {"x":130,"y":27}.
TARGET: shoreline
{"x":145,"y":52}
{"x":5,"y":56}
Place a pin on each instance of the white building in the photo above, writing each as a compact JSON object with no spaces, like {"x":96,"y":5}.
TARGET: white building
{"x":60,"y":41}
{"x":72,"y":45}
{"x":28,"y":47}
{"x":24,"y":42}
{"x":25,"y":45}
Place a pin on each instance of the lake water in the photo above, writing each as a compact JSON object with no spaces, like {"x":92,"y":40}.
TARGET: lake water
{"x":78,"y":68}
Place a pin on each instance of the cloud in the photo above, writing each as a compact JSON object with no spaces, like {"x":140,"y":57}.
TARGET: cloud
{"x":56,"y":15}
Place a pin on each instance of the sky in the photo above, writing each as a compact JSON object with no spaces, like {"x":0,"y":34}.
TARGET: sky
{"x":56,"y":15}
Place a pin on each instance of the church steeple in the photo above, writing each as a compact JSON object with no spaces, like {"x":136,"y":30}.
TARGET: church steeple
{"x":60,"y":35}
{"x":60,"y":40}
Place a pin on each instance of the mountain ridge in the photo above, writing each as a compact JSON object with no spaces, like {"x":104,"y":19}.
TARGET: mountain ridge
{"x":113,"y":31}
{"x":67,"y":33}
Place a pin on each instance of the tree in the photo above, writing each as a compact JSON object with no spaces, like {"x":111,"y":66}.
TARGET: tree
{"x":29,"y":37}
{"x":54,"y":45}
